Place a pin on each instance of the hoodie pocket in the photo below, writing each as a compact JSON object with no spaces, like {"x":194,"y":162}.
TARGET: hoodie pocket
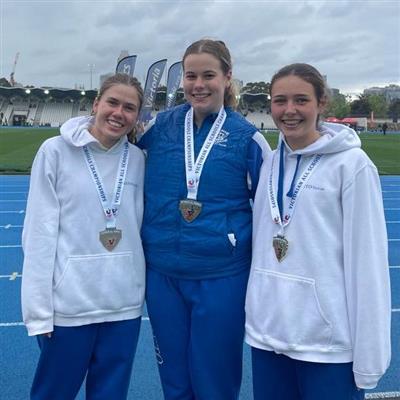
{"x":98,"y":284}
{"x":284,"y":309}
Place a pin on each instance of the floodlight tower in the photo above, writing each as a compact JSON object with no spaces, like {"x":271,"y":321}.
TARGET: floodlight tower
{"x":12,"y":80}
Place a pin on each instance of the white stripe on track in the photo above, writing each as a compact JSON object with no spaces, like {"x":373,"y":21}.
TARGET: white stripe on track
{"x":13,"y":201}
{"x":10,"y":246}
{"x":11,"y":277}
{"x":383,"y":395}
{"x":13,"y":212}
{"x":20,"y":226}
{"x":11,"y":324}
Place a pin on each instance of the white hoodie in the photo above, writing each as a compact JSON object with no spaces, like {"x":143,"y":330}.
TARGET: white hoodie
{"x":69,"y":278}
{"x":328,"y":300}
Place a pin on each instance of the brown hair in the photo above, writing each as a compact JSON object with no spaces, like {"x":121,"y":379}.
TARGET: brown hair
{"x":123,"y":79}
{"x":218,"y":49}
{"x":307,"y":73}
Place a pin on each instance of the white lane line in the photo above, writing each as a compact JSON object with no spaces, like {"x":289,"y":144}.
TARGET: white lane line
{"x":382,"y":395}
{"x":12,"y":212}
{"x":393,"y":222}
{"x":27,"y":192}
{"x":394,"y":240}
{"x":14,"y":276}
{"x":15,"y":226}
{"x":11,"y":277}
{"x":10,"y":246}
{"x":10,"y":324}
{"x":13,"y":201}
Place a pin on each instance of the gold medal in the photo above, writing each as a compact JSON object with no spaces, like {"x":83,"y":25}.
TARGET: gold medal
{"x":280,"y":245}
{"x":190,"y":209}
{"x":110,"y":237}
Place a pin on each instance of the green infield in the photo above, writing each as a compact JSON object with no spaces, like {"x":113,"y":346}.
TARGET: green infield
{"x":18,"y":146}
{"x":383,"y":150}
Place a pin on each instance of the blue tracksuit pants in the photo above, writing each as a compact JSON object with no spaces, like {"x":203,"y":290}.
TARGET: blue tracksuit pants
{"x":198,"y":328}
{"x":278,"y":377}
{"x":102,"y":352}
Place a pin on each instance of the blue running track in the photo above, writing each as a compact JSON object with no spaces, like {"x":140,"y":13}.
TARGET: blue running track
{"x":19,"y":353}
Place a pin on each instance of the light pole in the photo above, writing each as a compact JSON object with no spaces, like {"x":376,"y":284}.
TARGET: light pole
{"x":91,"y":68}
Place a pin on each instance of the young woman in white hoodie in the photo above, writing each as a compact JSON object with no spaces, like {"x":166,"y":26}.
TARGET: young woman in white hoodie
{"x":318,"y":300}
{"x":84,"y":272}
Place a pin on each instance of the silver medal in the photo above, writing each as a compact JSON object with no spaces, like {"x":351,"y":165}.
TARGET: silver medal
{"x":280,"y":245}
{"x":110,"y":237}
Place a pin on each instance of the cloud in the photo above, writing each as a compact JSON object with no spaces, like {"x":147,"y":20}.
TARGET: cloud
{"x":354,"y":42}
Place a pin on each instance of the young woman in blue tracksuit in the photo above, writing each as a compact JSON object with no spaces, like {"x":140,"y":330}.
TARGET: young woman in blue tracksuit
{"x":318,"y":300}
{"x":84,"y":271}
{"x":201,"y":172}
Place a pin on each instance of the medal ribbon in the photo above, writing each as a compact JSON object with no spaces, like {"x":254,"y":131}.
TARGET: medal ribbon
{"x":110,"y":210}
{"x":194,"y":168}
{"x":294,"y":192}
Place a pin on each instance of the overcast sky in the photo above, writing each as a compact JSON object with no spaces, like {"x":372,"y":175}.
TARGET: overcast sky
{"x":355,"y":43}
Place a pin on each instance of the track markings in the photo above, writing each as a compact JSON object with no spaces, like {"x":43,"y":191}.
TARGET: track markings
{"x":12,"y":324}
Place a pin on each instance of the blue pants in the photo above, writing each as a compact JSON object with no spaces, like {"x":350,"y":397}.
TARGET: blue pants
{"x":198,"y":328}
{"x":102,"y":352}
{"x":278,"y":377}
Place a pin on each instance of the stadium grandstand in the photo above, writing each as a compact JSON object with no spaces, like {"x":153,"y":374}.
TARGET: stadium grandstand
{"x":41,"y":107}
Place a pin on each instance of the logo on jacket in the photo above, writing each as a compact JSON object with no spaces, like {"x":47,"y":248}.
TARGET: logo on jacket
{"x":222,"y":138}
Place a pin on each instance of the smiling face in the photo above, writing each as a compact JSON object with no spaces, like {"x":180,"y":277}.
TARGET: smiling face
{"x":295,"y":110}
{"x":204,"y":84}
{"x":116,"y":114}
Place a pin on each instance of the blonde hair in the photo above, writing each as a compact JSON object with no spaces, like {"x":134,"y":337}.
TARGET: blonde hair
{"x":123,"y":79}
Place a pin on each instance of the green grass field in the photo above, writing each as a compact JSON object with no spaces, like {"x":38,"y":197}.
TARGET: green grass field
{"x":18,"y":146}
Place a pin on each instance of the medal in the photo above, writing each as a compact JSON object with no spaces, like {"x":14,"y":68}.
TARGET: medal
{"x":280,"y":245}
{"x":276,"y":200}
{"x":190,"y":209}
{"x":110,"y":237}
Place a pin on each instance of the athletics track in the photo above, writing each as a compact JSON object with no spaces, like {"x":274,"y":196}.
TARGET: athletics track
{"x":18,"y":352}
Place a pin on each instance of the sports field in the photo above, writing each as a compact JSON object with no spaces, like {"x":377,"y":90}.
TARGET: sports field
{"x":19,"y":353}
{"x":18,"y":146}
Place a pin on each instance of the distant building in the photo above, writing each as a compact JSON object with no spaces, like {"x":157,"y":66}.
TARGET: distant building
{"x":123,"y":54}
{"x":104,"y":77}
{"x":238,"y":83}
{"x":334,"y":92}
{"x":390,"y":92}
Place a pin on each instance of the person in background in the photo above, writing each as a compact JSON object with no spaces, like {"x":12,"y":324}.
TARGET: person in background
{"x":318,"y":300}
{"x":202,"y":170}
{"x":384,"y":128}
{"x":83,"y":278}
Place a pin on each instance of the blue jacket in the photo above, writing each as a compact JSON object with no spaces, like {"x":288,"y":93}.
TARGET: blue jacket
{"x":202,"y":248}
